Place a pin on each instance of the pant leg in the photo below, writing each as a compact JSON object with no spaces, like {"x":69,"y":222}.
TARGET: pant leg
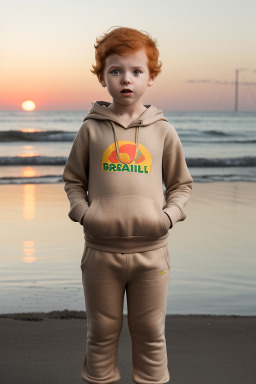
{"x":147,"y":292}
{"x":103,"y":277}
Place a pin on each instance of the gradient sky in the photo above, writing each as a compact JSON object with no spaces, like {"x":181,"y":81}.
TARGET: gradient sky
{"x":46,"y":51}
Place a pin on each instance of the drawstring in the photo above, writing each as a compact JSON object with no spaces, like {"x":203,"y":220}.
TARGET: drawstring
{"x":117,"y":147}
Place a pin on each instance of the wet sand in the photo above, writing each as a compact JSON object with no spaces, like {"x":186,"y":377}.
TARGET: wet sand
{"x":212,"y":251}
{"x":47,"y":348}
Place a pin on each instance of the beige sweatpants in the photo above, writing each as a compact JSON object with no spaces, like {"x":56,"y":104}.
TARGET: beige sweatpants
{"x":145,"y":277}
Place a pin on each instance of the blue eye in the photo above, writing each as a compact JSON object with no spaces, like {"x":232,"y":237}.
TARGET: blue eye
{"x":137,"y":72}
{"x":115,"y":72}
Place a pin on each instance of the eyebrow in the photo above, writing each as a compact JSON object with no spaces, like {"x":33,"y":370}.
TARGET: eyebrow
{"x":118,"y":67}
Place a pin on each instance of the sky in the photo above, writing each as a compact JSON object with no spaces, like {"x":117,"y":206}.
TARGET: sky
{"x":47,"y":50}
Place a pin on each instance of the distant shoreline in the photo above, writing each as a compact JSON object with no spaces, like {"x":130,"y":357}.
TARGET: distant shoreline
{"x":70,"y":314}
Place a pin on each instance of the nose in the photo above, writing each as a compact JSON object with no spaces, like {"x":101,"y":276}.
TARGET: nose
{"x":126,"y":79}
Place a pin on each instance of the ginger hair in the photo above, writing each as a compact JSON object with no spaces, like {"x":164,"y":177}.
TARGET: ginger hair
{"x":123,"y":40}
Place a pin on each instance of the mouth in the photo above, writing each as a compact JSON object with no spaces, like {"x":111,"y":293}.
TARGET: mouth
{"x":126,"y":90}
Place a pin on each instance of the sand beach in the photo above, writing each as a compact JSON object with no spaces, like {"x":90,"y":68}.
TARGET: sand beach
{"x":47,"y":348}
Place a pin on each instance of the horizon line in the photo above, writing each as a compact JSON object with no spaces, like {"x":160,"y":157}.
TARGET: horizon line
{"x":86,"y":110}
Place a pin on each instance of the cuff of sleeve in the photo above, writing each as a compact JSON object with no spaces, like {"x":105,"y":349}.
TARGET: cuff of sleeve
{"x":78,"y":212}
{"x":169,"y":219}
{"x":81,"y":221}
{"x":175,"y":214}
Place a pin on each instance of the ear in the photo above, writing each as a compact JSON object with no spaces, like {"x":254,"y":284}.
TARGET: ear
{"x":102,"y":81}
{"x":151,"y":80}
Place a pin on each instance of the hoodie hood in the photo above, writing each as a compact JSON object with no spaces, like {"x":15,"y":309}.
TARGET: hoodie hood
{"x":99,"y":111}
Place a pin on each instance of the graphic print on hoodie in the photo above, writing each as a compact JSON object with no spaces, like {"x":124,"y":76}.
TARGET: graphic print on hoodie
{"x":114,"y":175}
{"x":127,"y":150}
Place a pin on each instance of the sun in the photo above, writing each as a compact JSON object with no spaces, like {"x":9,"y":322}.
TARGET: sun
{"x":28,"y":105}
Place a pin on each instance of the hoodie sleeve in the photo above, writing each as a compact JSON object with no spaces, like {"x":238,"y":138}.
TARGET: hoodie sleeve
{"x":75,"y":176}
{"x":176,"y":176}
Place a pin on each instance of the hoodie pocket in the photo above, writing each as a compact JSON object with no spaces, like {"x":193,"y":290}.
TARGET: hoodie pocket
{"x":167,"y":256}
{"x":125,"y":216}
{"x":84,"y":259}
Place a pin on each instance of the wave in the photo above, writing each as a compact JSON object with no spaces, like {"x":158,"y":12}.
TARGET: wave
{"x":253,"y":141}
{"x":223,"y":178}
{"x":33,"y":160}
{"x":247,"y":161}
{"x":216,"y":133}
{"x":199,"y":141}
{"x":56,"y":179}
{"x":69,"y":136}
{"x":47,"y":179}
{"x":11,"y":136}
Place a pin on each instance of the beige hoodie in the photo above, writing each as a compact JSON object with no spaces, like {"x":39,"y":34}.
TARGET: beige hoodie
{"x":114,"y":176}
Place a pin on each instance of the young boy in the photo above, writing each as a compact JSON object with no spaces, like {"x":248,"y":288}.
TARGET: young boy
{"x":113,"y":178}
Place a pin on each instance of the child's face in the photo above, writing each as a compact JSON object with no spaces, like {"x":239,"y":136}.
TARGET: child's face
{"x":130,"y":73}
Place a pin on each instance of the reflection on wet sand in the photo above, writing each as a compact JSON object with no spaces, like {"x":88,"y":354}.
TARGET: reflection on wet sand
{"x":28,"y":199}
{"x":28,"y":250}
{"x":28,"y":208}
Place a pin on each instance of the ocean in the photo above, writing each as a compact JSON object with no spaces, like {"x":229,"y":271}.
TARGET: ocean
{"x":218,"y":146}
{"x":212,"y":252}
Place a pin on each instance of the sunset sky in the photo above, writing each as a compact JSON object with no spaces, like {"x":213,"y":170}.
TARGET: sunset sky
{"x":46,"y":51}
